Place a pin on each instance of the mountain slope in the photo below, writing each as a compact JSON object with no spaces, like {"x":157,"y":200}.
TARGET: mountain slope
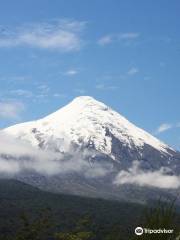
{"x":91,"y":134}
{"x":17,"y":198}
{"x":86,"y":122}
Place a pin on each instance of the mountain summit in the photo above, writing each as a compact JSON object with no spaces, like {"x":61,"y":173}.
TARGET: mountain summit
{"x":89,"y":122}
{"x":112,"y":142}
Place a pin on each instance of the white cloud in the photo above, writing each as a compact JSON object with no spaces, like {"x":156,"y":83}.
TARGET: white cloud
{"x":133,"y":71}
{"x":63,"y":35}
{"x":9,"y":167}
{"x":105,"y":40}
{"x":59,"y":95}
{"x":11,"y":110}
{"x":109,"y":38}
{"x":17,"y":156}
{"x":129,"y":35}
{"x":164,"y":127}
{"x":42,"y":94}
{"x":71,"y":72}
{"x":22,"y":92}
{"x":31,"y":158}
{"x":159,"y":178}
{"x":105,"y":87}
{"x":80,"y":90}
{"x":44,"y":89}
{"x":15,"y":79}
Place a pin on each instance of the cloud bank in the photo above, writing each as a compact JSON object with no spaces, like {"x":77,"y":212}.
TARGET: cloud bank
{"x":160,"y":178}
{"x":17,"y":156}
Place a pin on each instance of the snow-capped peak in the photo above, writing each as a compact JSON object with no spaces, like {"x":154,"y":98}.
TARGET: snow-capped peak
{"x":86,"y":121}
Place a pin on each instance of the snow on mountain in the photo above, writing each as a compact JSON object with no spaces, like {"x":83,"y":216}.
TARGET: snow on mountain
{"x":96,"y":152}
{"x":88,"y":122}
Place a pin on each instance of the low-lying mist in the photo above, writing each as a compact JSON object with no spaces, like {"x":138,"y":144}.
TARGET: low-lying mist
{"x":17,"y":156}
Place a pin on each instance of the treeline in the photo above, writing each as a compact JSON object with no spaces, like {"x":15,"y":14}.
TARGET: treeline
{"x":26,"y":213}
{"x":163,"y":215}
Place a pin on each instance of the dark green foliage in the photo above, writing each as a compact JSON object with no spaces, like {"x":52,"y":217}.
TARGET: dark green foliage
{"x":73,"y":236}
{"x":161,"y":216}
{"x":35,"y":229}
{"x":26,"y":213}
{"x":79,"y":232}
{"x":66,"y":211}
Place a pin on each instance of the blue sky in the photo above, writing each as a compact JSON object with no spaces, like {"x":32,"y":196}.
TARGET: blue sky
{"x":122,"y":52}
